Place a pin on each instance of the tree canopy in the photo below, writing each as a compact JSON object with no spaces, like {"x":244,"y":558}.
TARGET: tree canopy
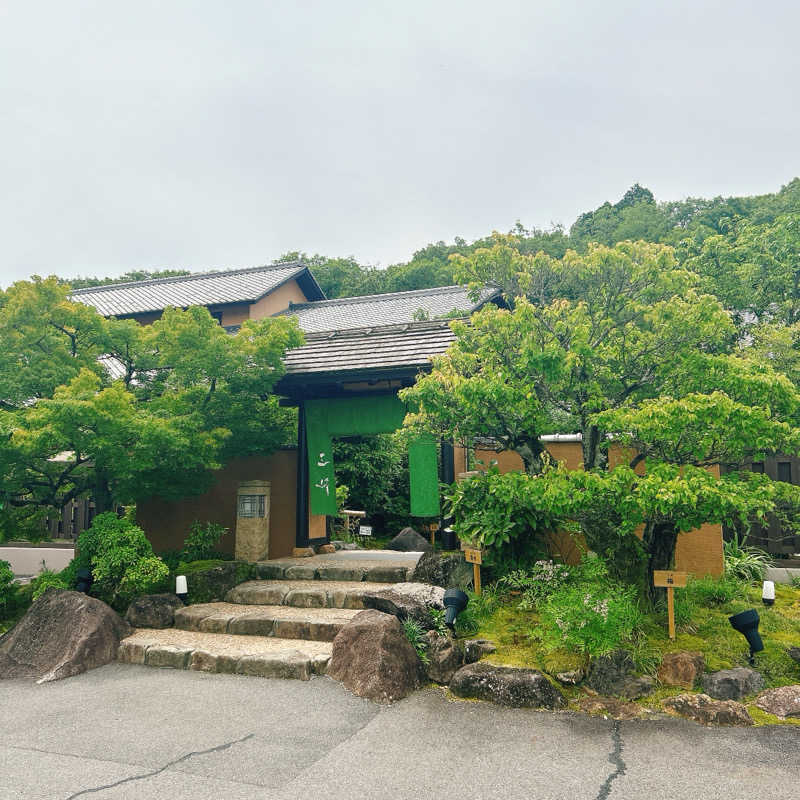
{"x":122,"y":411}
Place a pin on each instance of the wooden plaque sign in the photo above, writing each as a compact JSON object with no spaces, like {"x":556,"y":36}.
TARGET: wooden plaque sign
{"x":669,"y":578}
{"x":473,"y":556}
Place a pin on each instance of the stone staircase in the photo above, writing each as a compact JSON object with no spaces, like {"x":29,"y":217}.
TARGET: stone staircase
{"x":281,"y":626}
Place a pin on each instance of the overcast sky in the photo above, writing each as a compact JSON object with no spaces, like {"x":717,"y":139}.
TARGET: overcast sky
{"x":208,"y":134}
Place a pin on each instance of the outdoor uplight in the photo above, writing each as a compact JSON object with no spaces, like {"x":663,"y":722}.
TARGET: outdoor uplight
{"x":83,"y":580}
{"x":181,"y":589}
{"x":768,"y":593}
{"x":455,"y":601}
{"x":746,"y":622}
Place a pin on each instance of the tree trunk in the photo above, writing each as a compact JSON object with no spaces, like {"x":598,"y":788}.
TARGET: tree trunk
{"x":659,"y":540}
{"x":594,"y":456}
{"x":103,"y":500}
{"x":531,"y":453}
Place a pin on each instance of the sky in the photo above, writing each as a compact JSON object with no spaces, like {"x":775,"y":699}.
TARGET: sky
{"x":202,"y":134}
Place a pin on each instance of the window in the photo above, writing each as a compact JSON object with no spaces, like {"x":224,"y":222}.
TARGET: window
{"x":251,"y":505}
{"x":785,"y":471}
{"x":758,"y":466}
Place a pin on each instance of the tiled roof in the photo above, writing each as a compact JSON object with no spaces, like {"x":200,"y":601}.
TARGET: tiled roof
{"x":204,"y":289}
{"x":385,"y":309}
{"x":391,"y":347}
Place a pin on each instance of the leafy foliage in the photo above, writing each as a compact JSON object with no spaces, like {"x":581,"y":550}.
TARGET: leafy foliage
{"x":415,"y":634}
{"x":375,"y":471}
{"x":121,"y":560}
{"x":6,"y":587}
{"x":201,"y":541}
{"x":498,"y":513}
{"x":47,"y":579}
{"x":743,"y":562}
{"x":538,"y":583}
{"x":594,"y":620}
{"x":190,"y":397}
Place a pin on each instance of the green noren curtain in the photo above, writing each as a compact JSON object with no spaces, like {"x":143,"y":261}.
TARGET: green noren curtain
{"x":363,"y":416}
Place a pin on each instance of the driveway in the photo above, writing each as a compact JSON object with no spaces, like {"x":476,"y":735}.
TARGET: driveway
{"x":135,"y":732}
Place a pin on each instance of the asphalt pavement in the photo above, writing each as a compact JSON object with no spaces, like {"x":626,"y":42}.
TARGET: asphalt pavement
{"x":124,"y":731}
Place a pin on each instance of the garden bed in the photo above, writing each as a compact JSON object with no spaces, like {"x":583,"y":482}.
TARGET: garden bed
{"x":703,"y":613}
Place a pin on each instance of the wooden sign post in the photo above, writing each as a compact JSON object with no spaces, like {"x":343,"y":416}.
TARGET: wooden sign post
{"x":670,"y":580}
{"x":475,"y":557}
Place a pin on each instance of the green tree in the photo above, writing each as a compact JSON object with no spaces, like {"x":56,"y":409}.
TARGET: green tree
{"x":619,"y":321}
{"x":190,"y":397}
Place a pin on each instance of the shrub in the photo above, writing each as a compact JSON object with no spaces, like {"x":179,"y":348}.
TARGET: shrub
{"x":201,"y":542}
{"x":47,"y":579}
{"x":594,"y":620}
{"x":498,"y":512}
{"x":537,"y":584}
{"x":121,"y":560}
{"x":6,"y":588}
{"x":743,"y":562}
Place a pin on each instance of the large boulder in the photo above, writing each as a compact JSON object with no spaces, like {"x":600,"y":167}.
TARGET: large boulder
{"x":782,"y":702}
{"x":701,"y":708}
{"x":448,"y":570}
{"x":373,"y":658}
{"x":445,"y":656}
{"x":409,"y":541}
{"x":732,"y":684}
{"x":407,"y":601}
{"x":153,"y":611}
{"x":682,"y":668}
{"x":506,"y":686}
{"x":794,"y":652}
{"x":612,"y":675}
{"x":62,"y":634}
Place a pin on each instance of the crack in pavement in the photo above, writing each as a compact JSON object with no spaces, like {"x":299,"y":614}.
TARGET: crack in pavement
{"x":615,"y":757}
{"x":217,"y":749}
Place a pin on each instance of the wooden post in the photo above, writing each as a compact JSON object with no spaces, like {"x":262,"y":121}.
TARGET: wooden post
{"x":670,"y":580}
{"x":474,"y":557}
{"x":671,"y":611}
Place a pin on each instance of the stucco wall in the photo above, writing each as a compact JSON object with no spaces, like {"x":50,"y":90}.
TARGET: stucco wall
{"x":698,"y":551}
{"x":167,"y":522}
{"x":278,"y":300}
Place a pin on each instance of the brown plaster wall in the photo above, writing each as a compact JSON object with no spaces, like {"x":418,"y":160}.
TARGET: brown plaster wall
{"x":278,"y":300}
{"x":166,"y":523}
{"x":233,"y":314}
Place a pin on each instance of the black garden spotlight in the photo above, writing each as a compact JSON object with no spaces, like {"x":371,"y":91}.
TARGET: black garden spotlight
{"x":746,"y":622}
{"x":83,"y":580}
{"x":455,"y":601}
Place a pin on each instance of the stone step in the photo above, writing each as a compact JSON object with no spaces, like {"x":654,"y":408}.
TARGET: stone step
{"x":336,"y":567}
{"x":261,"y":656}
{"x":304,"y":594}
{"x":283,"y":622}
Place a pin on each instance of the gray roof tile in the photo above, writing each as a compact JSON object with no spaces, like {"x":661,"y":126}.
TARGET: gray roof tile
{"x":384,"y":309}
{"x":351,"y":351}
{"x":203,"y":289}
